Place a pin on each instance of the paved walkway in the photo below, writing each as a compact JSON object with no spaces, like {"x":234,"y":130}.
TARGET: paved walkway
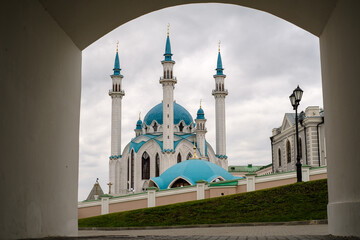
{"x":280,"y":232}
{"x":235,"y":231}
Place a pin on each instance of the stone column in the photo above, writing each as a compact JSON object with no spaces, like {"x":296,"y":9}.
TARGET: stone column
{"x":250,"y":182}
{"x":340,"y":49}
{"x":105,"y":204}
{"x":200,"y":189}
{"x":305,"y":173}
{"x":151,"y":196}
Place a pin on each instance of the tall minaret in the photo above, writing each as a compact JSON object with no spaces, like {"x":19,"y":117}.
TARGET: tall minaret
{"x":200,"y":132}
{"x":168,"y":82}
{"x":220,"y":93}
{"x":116,"y":94}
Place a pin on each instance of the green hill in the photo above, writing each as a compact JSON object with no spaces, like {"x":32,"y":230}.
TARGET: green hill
{"x":295,"y":202}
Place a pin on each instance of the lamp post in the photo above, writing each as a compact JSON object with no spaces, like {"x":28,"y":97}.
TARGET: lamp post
{"x":295,"y":99}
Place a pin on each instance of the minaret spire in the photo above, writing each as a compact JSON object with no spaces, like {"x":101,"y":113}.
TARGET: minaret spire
{"x":116,"y":94}
{"x":168,"y":83}
{"x":117,"y":61}
{"x":220,"y":93}
{"x":168,"y":53}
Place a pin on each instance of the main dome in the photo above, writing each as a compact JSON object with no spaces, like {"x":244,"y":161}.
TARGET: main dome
{"x":156,"y":113}
{"x":191,"y":171}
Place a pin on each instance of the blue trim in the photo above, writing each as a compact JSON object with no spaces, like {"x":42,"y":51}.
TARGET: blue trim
{"x":221,"y":156}
{"x":115,"y":157}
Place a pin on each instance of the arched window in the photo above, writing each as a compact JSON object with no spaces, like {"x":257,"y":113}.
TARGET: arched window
{"x":171,"y":74}
{"x":300,"y":148}
{"x":180,"y":183}
{"x":288,"y":151}
{"x":132,"y":170}
{"x":128,"y":173}
{"x":157,"y":165}
{"x":179,"y":158}
{"x":167,"y":74}
{"x":189,"y":156}
{"x":181,"y":127}
{"x":145,"y":166}
{"x":155,"y":126}
{"x":279,"y":157}
{"x":164,"y":74}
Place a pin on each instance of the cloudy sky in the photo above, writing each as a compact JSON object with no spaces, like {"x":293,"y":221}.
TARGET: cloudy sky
{"x":264,"y":57}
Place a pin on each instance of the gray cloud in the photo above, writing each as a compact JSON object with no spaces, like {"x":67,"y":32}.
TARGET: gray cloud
{"x":264,"y":58}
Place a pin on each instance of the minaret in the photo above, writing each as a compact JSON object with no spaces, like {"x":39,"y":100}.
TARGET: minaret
{"x":220,"y":93}
{"x":200,"y":131}
{"x":138,"y":129}
{"x":168,"y":82}
{"x":116,"y":94}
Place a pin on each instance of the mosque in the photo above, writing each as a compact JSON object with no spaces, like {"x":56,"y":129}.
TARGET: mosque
{"x":166,"y":138}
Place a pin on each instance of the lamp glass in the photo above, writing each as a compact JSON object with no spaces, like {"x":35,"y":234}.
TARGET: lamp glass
{"x":298,"y":92}
{"x":292,"y":99}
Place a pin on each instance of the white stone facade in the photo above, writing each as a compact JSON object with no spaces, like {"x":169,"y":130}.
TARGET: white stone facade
{"x":312,"y":141}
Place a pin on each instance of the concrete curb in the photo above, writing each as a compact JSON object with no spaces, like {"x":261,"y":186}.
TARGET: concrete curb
{"x":309,"y":222}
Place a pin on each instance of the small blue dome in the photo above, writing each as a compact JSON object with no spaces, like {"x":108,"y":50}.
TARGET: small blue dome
{"x":156,"y":113}
{"x":200,"y":114}
{"x":192,"y":171}
{"x":139,"y":124}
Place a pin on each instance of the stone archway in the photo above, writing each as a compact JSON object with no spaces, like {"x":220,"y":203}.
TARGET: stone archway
{"x":41,"y":86}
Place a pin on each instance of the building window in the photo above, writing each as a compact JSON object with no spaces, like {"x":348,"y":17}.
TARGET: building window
{"x":128,"y":173}
{"x":179,"y":158}
{"x":300,"y":148}
{"x":279,"y":157}
{"x":155,"y":126}
{"x":288,"y":151}
{"x":189,"y":156}
{"x":145,"y":163}
{"x":132,"y":170}
{"x":181,"y":127}
{"x":157,"y":165}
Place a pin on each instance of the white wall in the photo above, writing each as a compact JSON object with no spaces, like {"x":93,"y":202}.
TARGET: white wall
{"x":340,"y":62}
{"x":40,"y":72}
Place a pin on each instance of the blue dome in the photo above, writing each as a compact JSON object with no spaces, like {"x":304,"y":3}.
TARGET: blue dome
{"x":192,"y":171}
{"x":156,"y":113}
{"x":200,"y":114}
{"x":139,"y":124}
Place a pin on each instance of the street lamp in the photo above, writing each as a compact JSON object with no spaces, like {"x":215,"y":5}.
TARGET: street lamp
{"x":295,"y":99}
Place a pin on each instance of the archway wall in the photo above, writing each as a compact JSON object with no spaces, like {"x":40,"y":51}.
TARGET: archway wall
{"x":40,"y":75}
{"x":87,"y":21}
{"x":340,"y":64}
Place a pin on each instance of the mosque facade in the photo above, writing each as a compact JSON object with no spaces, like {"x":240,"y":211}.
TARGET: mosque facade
{"x":168,"y":134}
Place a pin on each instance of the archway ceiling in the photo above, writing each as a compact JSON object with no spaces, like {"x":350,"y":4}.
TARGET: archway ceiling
{"x":85,"y":21}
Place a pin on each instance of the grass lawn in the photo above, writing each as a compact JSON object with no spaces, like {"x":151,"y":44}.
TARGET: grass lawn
{"x":295,"y":202}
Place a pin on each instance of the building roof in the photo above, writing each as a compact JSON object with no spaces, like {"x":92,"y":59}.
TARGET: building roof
{"x":168,"y":53}
{"x":248,"y":168}
{"x":219,"y":68}
{"x":156,"y":113}
{"x":192,"y":171}
{"x":117,"y":65}
{"x":96,"y":190}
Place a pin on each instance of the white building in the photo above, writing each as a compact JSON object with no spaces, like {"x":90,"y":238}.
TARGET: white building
{"x":167,"y":134}
{"x":312,"y":143}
